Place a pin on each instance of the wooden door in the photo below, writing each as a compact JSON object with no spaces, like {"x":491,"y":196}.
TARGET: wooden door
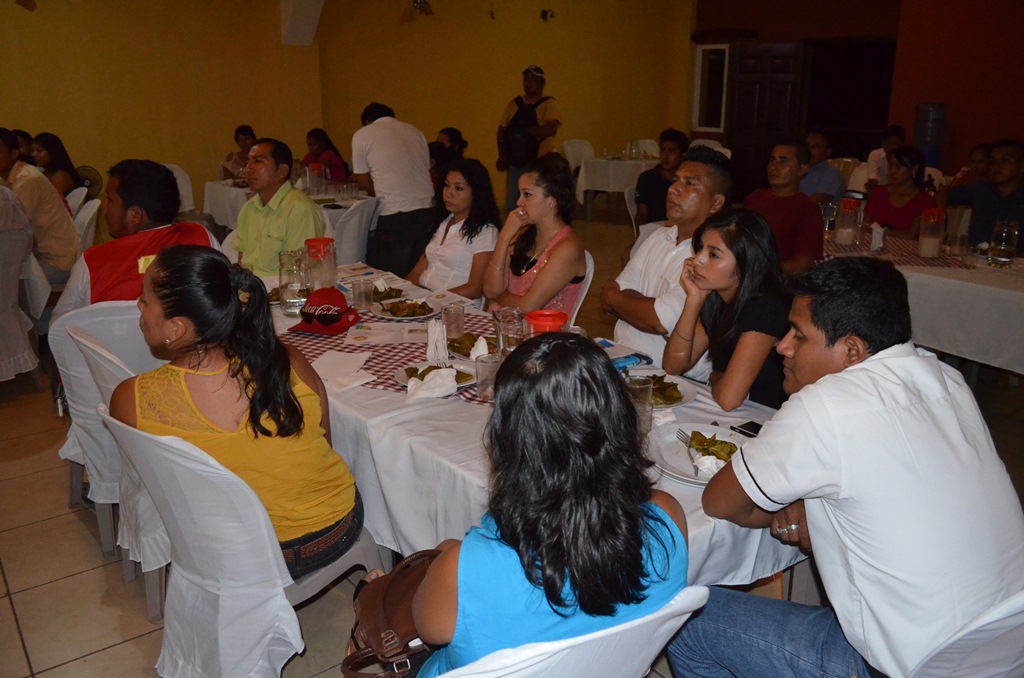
{"x":766,"y":99}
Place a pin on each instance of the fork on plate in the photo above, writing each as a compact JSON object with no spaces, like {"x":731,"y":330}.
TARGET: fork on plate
{"x":683,"y":437}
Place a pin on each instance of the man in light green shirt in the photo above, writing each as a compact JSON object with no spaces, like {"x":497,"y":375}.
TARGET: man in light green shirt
{"x":278,"y":217}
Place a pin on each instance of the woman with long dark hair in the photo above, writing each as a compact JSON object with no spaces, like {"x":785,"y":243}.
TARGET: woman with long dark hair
{"x":538,"y":262}
{"x":453,"y":140}
{"x":49,"y":154}
{"x":898,"y":206}
{"x":460,"y":247}
{"x":574,"y":540}
{"x":236,"y":392}
{"x":736,"y":309}
{"x":322,"y":150}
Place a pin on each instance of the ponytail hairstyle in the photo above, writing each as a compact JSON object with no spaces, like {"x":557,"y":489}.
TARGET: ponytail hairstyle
{"x":230,"y":310}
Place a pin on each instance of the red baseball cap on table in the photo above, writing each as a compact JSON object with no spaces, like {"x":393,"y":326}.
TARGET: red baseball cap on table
{"x":326,"y":311}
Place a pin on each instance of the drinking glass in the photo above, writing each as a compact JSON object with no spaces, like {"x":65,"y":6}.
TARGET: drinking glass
{"x":641,"y":390}
{"x":486,"y":370}
{"x":362,"y":294}
{"x":829,"y":211}
{"x":296,"y":281}
{"x":1003,"y":246}
{"x":511,"y":328}
{"x":453,"y":315}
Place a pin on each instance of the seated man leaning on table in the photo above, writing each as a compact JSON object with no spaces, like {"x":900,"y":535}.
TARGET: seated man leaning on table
{"x":647,"y":297}
{"x":279,"y":217}
{"x":794,"y":218}
{"x":140,"y":203}
{"x":881,"y":461}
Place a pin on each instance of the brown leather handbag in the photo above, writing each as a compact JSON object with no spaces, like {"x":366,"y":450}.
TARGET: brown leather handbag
{"x":384,"y":628}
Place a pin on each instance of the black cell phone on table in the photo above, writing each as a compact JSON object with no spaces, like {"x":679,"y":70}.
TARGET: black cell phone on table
{"x":747,"y":428}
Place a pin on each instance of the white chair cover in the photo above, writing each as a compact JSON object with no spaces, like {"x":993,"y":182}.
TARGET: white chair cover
{"x":75,"y":199}
{"x":990,"y":645}
{"x":711,"y":143}
{"x":88,"y":440}
{"x":938,"y":179}
{"x":37,"y":287}
{"x":352,"y":231}
{"x":845,"y":166}
{"x":858,"y":178}
{"x":85,"y":224}
{"x":188,"y":204}
{"x":227,"y":246}
{"x":649,"y":147}
{"x":630,"y":194}
{"x":624,"y":651}
{"x":140,"y":531}
{"x":576,"y":151}
{"x":226,"y":613}
{"x":16,"y":354}
{"x":587,"y":279}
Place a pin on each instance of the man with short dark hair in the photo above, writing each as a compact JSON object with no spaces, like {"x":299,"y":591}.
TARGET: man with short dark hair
{"x":893,"y":137}
{"x":53,"y":231}
{"x":880,"y":460}
{"x":647,"y":297}
{"x":823,"y":183}
{"x":390,"y":160}
{"x":140,"y":204}
{"x":1000,"y":196}
{"x":278,"y":218}
{"x":526,"y":131}
{"x":652,"y":185}
{"x":794,"y":218}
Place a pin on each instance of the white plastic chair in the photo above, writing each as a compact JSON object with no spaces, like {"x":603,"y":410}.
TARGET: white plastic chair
{"x":140,"y":532}
{"x":227,"y":246}
{"x":85,"y":224}
{"x":88,"y":441}
{"x":711,"y":143}
{"x":588,"y":278}
{"x":353,"y":230}
{"x":576,"y":151}
{"x":229,"y":609}
{"x":75,"y":199}
{"x":845,"y":166}
{"x":858,"y":178}
{"x":938,"y":179}
{"x":624,"y":651}
{"x":990,"y":645}
{"x":630,"y":194}
{"x":649,"y":147}
{"x":188,"y":203}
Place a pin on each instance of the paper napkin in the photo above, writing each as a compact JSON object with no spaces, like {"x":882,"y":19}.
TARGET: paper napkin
{"x":438,"y":384}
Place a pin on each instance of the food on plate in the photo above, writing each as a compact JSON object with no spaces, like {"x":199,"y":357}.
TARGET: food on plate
{"x":407,"y":308}
{"x":712,"y":446}
{"x":386,"y":294}
{"x":461,"y":346}
{"x":274,"y":295}
{"x":413,"y":372}
{"x":665,"y":392}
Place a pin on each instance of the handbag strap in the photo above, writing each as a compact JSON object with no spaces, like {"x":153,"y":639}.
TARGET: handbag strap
{"x":352,"y":666}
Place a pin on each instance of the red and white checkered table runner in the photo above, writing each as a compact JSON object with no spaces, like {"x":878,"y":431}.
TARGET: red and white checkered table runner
{"x":900,"y":251}
{"x":387,"y":358}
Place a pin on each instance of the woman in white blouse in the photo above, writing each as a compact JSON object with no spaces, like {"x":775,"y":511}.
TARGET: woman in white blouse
{"x":457,"y":254}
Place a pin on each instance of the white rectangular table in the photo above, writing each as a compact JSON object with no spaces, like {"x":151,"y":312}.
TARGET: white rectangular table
{"x":224,"y":201}
{"x":612,"y":176}
{"x":422,"y":471}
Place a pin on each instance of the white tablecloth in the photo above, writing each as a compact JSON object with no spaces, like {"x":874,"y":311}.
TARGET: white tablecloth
{"x":613,"y":176}
{"x":972,"y":313}
{"x":422,"y":473}
{"x":224,"y":202}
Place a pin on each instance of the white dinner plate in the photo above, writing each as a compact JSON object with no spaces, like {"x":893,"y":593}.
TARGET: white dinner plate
{"x":675,"y":461}
{"x":686,"y":387}
{"x":460,"y":366}
{"x":380,"y":309}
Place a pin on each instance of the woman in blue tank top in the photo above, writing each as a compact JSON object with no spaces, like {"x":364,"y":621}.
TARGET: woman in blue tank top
{"x":575,"y":539}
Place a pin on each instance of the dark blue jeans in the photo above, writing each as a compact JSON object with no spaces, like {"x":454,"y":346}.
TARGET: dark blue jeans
{"x":300,"y":567}
{"x":740,"y":634}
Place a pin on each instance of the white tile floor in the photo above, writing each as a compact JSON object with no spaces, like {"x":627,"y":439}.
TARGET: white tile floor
{"x":64,"y":611}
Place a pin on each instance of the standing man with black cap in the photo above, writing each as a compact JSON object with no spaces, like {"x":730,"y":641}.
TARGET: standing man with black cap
{"x":526,"y":131}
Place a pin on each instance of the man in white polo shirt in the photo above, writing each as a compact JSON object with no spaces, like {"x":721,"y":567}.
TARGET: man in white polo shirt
{"x":390,"y":160}
{"x":647,"y":297}
{"x":880,"y":460}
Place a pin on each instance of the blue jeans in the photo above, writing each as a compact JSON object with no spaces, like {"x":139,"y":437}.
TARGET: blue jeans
{"x":511,"y":189}
{"x":740,"y":634}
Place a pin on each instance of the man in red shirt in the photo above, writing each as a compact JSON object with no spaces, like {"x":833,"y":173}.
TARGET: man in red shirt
{"x":794,"y":218}
{"x":141,"y":201}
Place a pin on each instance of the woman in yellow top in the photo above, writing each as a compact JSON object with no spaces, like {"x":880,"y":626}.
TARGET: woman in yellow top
{"x":236,"y":392}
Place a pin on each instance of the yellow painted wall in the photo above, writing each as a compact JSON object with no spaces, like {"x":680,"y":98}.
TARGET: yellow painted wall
{"x":619,"y":70}
{"x":166,"y":80}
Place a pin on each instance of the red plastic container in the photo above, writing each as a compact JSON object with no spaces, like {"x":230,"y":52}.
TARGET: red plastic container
{"x":546,"y":321}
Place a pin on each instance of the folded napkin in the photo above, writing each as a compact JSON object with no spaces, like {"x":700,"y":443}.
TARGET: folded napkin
{"x":662,"y":417}
{"x":438,"y":384}
{"x":707,"y":465}
{"x":479,"y":348}
{"x":380,"y":284}
{"x":342,"y":371}
{"x":877,"y":237}
{"x":437,"y":341}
